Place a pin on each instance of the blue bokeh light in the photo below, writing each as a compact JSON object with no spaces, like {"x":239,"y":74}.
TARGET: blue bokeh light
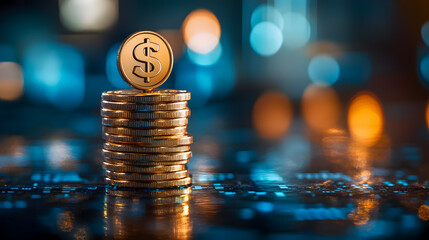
{"x":196,"y":80}
{"x":324,"y":69}
{"x":112,"y":70}
{"x":54,"y":73}
{"x":425,"y":33}
{"x":296,"y":30}
{"x":424,"y":69}
{"x":204,"y":80}
{"x":206,"y":59}
{"x":266,"y":13}
{"x":266,"y":38}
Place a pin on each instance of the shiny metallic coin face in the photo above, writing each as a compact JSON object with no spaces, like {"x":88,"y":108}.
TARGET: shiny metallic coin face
{"x":145,"y":60}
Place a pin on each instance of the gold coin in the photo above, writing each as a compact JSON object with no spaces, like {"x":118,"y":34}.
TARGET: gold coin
{"x":139,"y":157}
{"x":147,"y":177}
{"x":135,"y":148}
{"x":165,"y":193}
{"x":155,"y":123}
{"x":159,"y":141}
{"x":145,"y":115}
{"x":145,"y":132}
{"x":145,"y":60}
{"x":144,"y":163}
{"x":138,"y":96}
{"x":158,"y":184}
{"x":117,"y":167}
{"x":143,"y":107}
{"x":122,"y":197}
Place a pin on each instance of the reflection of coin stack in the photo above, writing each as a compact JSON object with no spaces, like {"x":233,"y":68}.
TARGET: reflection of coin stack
{"x":162,"y":214}
{"x":147,"y":144}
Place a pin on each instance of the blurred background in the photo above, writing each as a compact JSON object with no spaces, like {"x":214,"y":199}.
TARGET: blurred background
{"x":292,"y":101}
{"x":60,"y":55}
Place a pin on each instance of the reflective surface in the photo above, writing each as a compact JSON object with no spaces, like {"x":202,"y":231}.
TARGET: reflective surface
{"x":309,"y":183}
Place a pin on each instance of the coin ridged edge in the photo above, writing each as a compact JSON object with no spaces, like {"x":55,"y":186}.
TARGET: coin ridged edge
{"x":156,"y":123}
{"x":183,"y":113}
{"x":140,"y":149}
{"x":159,"y":184}
{"x":150,"y":141}
{"x":145,"y":132}
{"x":124,"y":106}
{"x":118,"y":167}
{"x":150,"y":177}
{"x":138,"y":157}
{"x":145,"y":163}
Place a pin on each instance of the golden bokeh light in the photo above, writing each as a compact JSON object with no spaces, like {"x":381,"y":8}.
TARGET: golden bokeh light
{"x":423,"y":212}
{"x":364,"y":209}
{"x":11,"y":81}
{"x":320,"y":107}
{"x":365,"y":119}
{"x":272,"y":115}
{"x":201,"y":31}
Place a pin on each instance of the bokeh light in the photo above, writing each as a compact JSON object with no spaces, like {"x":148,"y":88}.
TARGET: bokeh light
{"x":424,"y":69}
{"x":266,"y":13}
{"x":266,"y":38}
{"x":88,"y":15}
{"x":324,"y":69}
{"x":423,"y":212}
{"x":365,"y":119}
{"x":425,"y":33}
{"x":207,"y":59}
{"x":272,"y":115}
{"x":54,"y":73}
{"x":320,"y":107}
{"x":112,"y":71}
{"x":297,"y":30}
{"x":201,"y":31}
{"x":194,"y":79}
{"x":11,"y":81}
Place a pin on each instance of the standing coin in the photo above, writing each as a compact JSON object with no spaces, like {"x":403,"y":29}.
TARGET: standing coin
{"x":145,"y":60}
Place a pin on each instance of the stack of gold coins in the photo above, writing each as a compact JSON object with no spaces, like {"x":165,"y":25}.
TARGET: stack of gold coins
{"x":147,"y":144}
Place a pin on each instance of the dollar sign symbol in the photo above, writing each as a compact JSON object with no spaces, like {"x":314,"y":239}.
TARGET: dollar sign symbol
{"x":151,"y":66}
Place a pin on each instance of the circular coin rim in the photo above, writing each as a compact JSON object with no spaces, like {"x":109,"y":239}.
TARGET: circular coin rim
{"x":118,"y":60}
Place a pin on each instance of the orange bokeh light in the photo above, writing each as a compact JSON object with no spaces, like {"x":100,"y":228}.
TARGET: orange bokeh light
{"x":201,"y":31}
{"x":272,"y":115}
{"x":320,"y":107}
{"x":11,"y":81}
{"x":365,"y":119}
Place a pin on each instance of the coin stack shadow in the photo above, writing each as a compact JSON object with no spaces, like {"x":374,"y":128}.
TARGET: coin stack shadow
{"x":147,"y":144}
